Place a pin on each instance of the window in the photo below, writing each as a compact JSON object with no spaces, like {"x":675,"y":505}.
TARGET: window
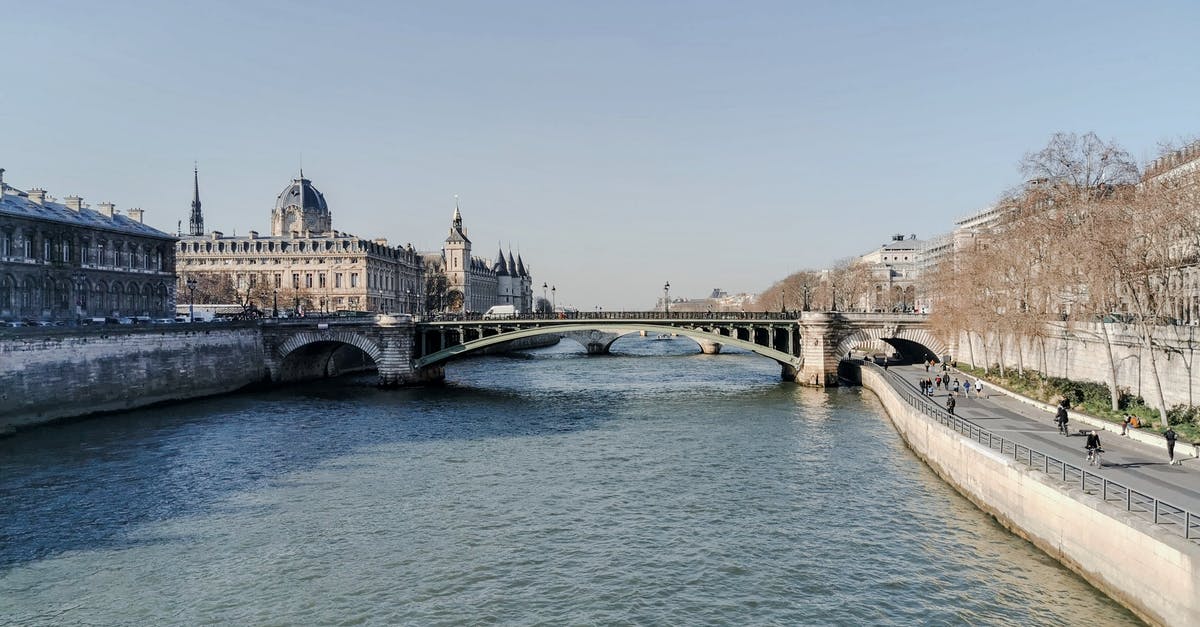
{"x":278,"y":281}
{"x":321,"y":280}
{"x":353,"y":279}
{"x":337,"y":280}
{"x":47,"y":249}
{"x":66,"y":252}
{"x":5,"y":246}
{"x":295,"y":280}
{"x":308,"y":280}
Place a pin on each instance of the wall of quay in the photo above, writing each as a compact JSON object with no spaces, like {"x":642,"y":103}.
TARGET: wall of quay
{"x":59,"y":373}
{"x":1110,"y":548}
{"x":1077,"y":352}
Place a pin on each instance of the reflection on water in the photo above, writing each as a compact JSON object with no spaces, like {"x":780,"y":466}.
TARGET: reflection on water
{"x":655,"y":485}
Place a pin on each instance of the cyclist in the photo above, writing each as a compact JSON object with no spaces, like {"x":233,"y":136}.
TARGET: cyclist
{"x":1093,"y":448}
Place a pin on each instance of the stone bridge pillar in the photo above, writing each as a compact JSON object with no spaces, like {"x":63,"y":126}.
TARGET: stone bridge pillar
{"x":596,"y":342}
{"x":394,"y":336}
{"x":709,"y":347}
{"x":819,"y":333}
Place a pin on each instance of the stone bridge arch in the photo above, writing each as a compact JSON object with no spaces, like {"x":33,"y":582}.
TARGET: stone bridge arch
{"x":315,"y":354}
{"x":876,"y":336}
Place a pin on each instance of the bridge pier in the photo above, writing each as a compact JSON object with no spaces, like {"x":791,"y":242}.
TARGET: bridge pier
{"x":709,"y":347}
{"x":819,"y":334}
{"x":596,"y":342}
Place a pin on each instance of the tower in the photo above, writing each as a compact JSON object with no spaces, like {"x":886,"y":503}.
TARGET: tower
{"x":458,"y":259}
{"x":196,"y":222}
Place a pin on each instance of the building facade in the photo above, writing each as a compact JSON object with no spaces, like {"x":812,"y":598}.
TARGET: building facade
{"x":303,"y":266}
{"x":65,"y":261}
{"x":472,"y":284}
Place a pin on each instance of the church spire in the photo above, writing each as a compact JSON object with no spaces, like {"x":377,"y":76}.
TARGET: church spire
{"x":196,"y":223}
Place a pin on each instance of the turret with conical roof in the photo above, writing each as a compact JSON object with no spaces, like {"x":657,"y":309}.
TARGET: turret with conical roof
{"x":501,"y":266}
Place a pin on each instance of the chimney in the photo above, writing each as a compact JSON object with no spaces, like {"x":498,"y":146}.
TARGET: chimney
{"x":74,"y":203}
{"x":106,"y":209}
{"x":136,"y":214}
{"x":37,"y":195}
{"x":253,"y":234}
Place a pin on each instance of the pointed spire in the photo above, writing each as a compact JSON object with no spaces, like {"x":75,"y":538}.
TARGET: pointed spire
{"x":196,"y":222}
{"x":501,"y":266}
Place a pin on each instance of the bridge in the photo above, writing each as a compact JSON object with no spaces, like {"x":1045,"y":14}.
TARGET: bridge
{"x":808,"y":345}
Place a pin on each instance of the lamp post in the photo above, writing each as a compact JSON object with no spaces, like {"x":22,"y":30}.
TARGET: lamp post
{"x":191,"y":285}
{"x":667,"y":298}
{"x":805,"y":298}
{"x":275,"y":304}
{"x":543,"y":292}
{"x":553,"y":299}
{"x":408,"y":304}
{"x":832,"y":296}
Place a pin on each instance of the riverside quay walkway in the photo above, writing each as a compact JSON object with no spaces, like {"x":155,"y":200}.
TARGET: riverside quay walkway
{"x":1135,"y":476}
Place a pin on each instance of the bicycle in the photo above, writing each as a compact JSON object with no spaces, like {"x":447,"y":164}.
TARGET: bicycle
{"x":1093,"y":457}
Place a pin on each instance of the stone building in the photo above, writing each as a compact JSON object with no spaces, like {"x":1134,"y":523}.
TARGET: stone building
{"x":474,"y":285}
{"x":303,"y":266}
{"x":65,"y":261}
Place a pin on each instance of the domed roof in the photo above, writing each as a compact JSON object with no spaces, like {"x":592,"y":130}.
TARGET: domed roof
{"x":301,"y":193}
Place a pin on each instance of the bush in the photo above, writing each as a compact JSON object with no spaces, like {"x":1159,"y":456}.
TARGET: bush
{"x":1184,"y":415}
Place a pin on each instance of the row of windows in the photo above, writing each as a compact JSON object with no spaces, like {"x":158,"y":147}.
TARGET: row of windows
{"x":273,"y":246}
{"x":103,"y":253}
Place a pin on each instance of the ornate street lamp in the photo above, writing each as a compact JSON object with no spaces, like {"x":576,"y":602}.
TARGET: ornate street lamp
{"x":543,"y":291}
{"x":191,"y":285}
{"x":667,"y":298}
{"x":275,"y":304}
{"x":553,"y":299}
{"x":77,"y":279}
{"x":805,"y":298}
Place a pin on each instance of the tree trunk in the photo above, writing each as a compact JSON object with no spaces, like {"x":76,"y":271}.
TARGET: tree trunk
{"x":1113,"y":394}
{"x":1148,"y":343}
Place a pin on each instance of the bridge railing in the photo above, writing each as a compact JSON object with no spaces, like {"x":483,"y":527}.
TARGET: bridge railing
{"x":1145,"y":506}
{"x":620,"y":315}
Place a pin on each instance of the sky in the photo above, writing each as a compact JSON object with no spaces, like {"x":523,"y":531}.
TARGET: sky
{"x":615,"y":145}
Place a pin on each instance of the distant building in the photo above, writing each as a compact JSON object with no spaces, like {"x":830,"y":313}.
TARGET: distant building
{"x":304,"y":264}
{"x":63,"y":261}
{"x":474,"y":285}
{"x":895,"y":270}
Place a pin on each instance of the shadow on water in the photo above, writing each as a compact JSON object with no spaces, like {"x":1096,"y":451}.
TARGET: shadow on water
{"x":90,"y":484}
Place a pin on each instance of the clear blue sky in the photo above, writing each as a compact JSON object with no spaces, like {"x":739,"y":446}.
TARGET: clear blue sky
{"x":616,"y":145}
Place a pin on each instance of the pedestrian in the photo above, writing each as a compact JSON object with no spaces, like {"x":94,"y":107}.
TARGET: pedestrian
{"x":938,"y":382}
{"x":950,"y":405}
{"x":956,"y":386}
{"x":979,"y":388}
{"x":1060,"y":417}
{"x":967,"y":388}
{"x":926,"y":366}
{"x":1125,"y":425}
{"x":1169,"y":434}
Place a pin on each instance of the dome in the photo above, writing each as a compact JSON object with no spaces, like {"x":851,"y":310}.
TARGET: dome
{"x":301,"y":193}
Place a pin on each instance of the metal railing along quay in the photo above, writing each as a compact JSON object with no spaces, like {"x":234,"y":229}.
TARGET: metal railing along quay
{"x":1145,"y":506}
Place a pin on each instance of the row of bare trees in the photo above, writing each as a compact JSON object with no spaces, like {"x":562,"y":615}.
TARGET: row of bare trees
{"x":1086,"y":239}
{"x":845,"y":286}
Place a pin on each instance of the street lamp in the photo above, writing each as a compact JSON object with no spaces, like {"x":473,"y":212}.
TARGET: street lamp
{"x":275,"y":304}
{"x":832,"y":296}
{"x":77,"y":278}
{"x":408,"y":301}
{"x":553,"y":299}
{"x":543,"y":292}
{"x":805,"y":298}
{"x":191,"y":285}
{"x":667,"y":298}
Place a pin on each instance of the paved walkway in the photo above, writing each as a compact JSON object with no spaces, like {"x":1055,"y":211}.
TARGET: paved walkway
{"x":1140,"y":466}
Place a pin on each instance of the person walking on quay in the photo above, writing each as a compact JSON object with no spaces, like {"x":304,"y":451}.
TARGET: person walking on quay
{"x":926,"y":366}
{"x":979,"y":389}
{"x":956,"y":386}
{"x":950,"y":405}
{"x":938,"y":382}
{"x":967,"y":388}
{"x":1060,"y":417}
{"x":1169,"y":434}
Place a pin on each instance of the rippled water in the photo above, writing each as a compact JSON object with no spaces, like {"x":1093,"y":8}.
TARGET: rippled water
{"x":657,"y":486}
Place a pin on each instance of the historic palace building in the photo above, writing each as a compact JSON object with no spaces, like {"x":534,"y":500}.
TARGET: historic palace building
{"x":304,"y":265}
{"x":65,"y":261}
{"x":473,"y":285}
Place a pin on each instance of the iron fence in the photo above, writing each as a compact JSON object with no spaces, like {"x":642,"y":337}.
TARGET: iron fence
{"x":1145,"y":506}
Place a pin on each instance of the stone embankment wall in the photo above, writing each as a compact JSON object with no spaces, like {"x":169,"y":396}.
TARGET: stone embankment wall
{"x":1077,"y":352}
{"x":1151,"y":571}
{"x":51,"y":374}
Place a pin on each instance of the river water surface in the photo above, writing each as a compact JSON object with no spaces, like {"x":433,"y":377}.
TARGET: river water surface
{"x":657,"y":486}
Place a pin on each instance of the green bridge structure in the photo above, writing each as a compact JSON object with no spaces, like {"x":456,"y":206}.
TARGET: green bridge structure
{"x":808,"y":345}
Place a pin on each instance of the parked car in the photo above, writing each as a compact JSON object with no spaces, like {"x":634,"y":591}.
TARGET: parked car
{"x":12,"y":323}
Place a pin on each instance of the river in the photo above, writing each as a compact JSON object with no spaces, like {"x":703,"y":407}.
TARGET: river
{"x":655,"y":486}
